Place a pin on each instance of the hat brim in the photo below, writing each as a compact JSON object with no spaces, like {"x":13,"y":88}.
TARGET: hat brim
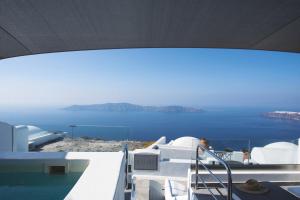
{"x":243,"y":188}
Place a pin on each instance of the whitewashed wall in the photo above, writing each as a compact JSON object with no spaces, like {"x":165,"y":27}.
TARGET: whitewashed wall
{"x":21,"y":138}
{"x":6,"y":137}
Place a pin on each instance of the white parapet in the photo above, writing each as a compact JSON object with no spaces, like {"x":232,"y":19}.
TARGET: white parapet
{"x":6,"y":137}
{"x":18,"y":138}
{"x":13,"y":138}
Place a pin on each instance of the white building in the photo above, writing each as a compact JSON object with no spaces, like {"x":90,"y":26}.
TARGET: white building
{"x":19,"y":138}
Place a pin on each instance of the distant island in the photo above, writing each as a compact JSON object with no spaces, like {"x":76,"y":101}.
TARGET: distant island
{"x":128,"y":107}
{"x":288,"y":115}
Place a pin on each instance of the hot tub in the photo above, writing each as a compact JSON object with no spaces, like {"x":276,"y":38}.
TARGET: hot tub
{"x":57,"y":175}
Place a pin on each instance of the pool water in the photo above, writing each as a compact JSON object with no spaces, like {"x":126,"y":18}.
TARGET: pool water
{"x":36,"y":185}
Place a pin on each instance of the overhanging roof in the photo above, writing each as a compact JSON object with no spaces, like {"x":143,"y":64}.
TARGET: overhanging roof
{"x":39,"y":26}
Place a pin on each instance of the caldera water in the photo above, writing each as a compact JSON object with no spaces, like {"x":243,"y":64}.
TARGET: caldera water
{"x":225,"y":125}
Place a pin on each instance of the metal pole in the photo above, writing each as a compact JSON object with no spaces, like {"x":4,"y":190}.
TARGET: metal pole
{"x":197,"y":165}
{"x":72,"y":132}
{"x":72,"y":127}
{"x":12,"y":138}
{"x":125,"y":150}
{"x":229,"y":195}
{"x":249,"y":149}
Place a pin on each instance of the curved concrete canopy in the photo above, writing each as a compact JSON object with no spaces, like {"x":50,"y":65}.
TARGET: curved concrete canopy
{"x":34,"y":26}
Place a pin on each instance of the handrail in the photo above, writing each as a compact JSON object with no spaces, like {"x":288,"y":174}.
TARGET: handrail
{"x":229,"y":178}
{"x":125,"y":150}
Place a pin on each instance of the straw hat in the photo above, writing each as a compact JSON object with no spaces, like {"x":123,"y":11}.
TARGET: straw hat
{"x":252,"y":186}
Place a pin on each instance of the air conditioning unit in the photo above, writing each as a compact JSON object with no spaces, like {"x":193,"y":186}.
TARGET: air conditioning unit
{"x":146,"y":161}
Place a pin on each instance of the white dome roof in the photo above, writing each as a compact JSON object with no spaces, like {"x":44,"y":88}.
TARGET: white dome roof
{"x":187,"y":141}
{"x":282,"y":145}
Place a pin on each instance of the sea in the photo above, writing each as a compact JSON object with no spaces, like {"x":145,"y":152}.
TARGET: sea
{"x":224,"y":127}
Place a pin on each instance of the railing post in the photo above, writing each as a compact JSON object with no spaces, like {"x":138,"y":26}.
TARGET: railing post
{"x":249,"y":151}
{"x":229,"y":177}
{"x":197,"y":165}
{"x":125,"y":150}
{"x":229,"y":180}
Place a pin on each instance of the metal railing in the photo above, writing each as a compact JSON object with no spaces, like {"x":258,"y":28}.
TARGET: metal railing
{"x":221,"y":161}
{"x":125,"y":150}
{"x":104,"y":132}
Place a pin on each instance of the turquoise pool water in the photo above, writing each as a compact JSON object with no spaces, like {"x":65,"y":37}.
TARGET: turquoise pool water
{"x":36,"y":185}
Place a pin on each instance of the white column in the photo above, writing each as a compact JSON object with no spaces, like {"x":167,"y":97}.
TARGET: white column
{"x":20,"y":138}
{"x":6,"y":137}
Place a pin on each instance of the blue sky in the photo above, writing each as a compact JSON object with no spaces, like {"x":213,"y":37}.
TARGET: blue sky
{"x":191,"y":77}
